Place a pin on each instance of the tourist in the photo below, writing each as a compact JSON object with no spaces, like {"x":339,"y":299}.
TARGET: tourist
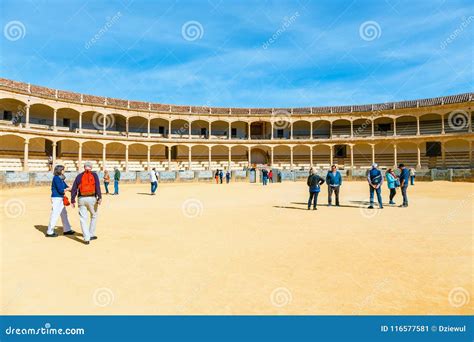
{"x":116,"y":180}
{"x":106,"y":181}
{"x":270,"y":176}
{"x":153,"y":181}
{"x":412,"y":175}
{"x":58,"y":190}
{"x":375,"y":180}
{"x":404,"y":175}
{"x":87,"y":188}
{"x":264,"y":176}
{"x":392,"y":183}
{"x":314,"y":183}
{"x":334,"y":182}
{"x":227,"y":176}
{"x":221,"y":175}
{"x":50,"y":163}
{"x":216,"y":176}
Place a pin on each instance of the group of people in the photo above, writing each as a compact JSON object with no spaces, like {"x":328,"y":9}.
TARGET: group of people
{"x":374,"y":178}
{"x":219,"y":176}
{"x":116,"y":181}
{"x":267,"y":176}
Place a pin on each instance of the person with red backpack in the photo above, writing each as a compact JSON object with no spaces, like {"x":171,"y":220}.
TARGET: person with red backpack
{"x":87,"y":188}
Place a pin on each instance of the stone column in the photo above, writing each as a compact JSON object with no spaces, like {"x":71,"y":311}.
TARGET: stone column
{"x":148,"y":128}
{"x":442,"y":125}
{"x":230,"y":131}
{"x":104,"y":157}
{"x":104,"y":125}
{"x":271,"y":125}
{"x":291,"y":130}
{"x":311,"y":130}
{"x":271,"y":155}
{"x":126,"y":126}
{"x":126,"y":158}
{"x":250,"y":157}
{"x":373,"y":152}
{"x":189,"y":130}
{"x":417,"y":125}
{"x":331,"y":151}
{"x":352,"y":156}
{"x":27,"y":116}
{"x":210,"y":130}
{"x":229,"y":158}
{"x":249,"y":136}
{"x":443,"y":154}
{"x":148,"y":158}
{"x":79,"y":157}
{"x":373,"y":129}
{"x":395,"y":161}
{"x":352,"y":129}
{"x":54,"y":153}
{"x":291,"y":157}
{"x":330,"y":131}
{"x":311,"y":156}
{"x":209,"y":158}
{"x":394,"y":126}
{"x":169,"y":158}
{"x":25,"y":156}
{"x":169,"y":129}
{"x":55,"y":116}
{"x":80,"y":122}
{"x":418,"y":150}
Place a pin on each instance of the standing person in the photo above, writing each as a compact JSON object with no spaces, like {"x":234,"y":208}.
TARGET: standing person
{"x":221,"y":175}
{"x":50,"y":163}
{"x":227,"y":177}
{"x":412,"y":176}
{"x":106,"y":181}
{"x":264,"y":176}
{"x":116,"y":180}
{"x":58,"y":189}
{"x":153,"y":181}
{"x":270,"y":176}
{"x":375,"y":180}
{"x":216,"y":176}
{"x":334,"y":182}
{"x":404,"y":175}
{"x":314,"y":183}
{"x":87,"y":188}
{"x":392,"y":181}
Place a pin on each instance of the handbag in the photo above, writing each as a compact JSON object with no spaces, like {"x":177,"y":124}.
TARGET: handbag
{"x":66,"y":201}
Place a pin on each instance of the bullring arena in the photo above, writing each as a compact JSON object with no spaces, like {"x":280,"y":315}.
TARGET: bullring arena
{"x":239,"y":248}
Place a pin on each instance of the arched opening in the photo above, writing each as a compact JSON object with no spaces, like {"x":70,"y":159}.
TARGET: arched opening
{"x":342,"y":156}
{"x":137,"y":157}
{"x":11,"y":155}
{"x":159,"y":157}
{"x":67,"y":119}
{"x":301,"y":129}
{"x":41,"y":116}
{"x":219,"y":157}
{"x":115,"y":124}
{"x":179,"y":128}
{"x":384,"y":155}
{"x":158,"y":128}
{"x":322,"y":156}
{"x":407,"y":153}
{"x":199,"y":129}
{"x":239,"y":157}
{"x":200,"y":157}
{"x":260,"y":130}
{"x":281,"y":127}
{"x":93,"y":122}
{"x":302,"y":157}
{"x":362,"y":128}
{"x":362,"y":156}
{"x":114,"y":157}
{"x":383,"y":127}
{"x":260,"y":155}
{"x":341,"y":128}
{"x":138,"y":126}
{"x":406,"y":125}
{"x":281,"y":156}
{"x":12,"y":111}
{"x":220,"y":129}
{"x":430,"y":124}
{"x":239,"y":130}
{"x":39,"y":150}
{"x":92,"y":152}
{"x":68,"y":154}
{"x":457,"y":154}
{"x":321,"y":129}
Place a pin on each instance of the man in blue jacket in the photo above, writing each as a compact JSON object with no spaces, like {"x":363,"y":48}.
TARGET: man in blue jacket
{"x":375,"y":180}
{"x":334,"y":182}
{"x":404,"y":176}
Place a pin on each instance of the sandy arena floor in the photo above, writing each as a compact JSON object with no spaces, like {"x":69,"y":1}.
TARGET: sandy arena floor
{"x":242,"y":249}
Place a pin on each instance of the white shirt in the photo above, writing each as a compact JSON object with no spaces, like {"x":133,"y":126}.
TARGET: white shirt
{"x":153,"y":177}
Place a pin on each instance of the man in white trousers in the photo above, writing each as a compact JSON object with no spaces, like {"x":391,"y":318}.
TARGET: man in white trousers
{"x":87,"y":188}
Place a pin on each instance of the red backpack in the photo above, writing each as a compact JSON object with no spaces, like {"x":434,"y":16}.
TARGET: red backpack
{"x":87,"y":186}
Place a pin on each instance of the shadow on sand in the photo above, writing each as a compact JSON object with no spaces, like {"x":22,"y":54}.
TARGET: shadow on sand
{"x":59,"y":231}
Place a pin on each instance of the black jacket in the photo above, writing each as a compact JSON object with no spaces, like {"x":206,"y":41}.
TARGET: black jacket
{"x":314,"y":181}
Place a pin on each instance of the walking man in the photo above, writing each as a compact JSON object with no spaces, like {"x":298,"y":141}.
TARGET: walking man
{"x":227,"y":176}
{"x":87,"y":188}
{"x":116,"y":180}
{"x":334,"y":182}
{"x":375,"y":182}
{"x":264,"y":176}
{"x":314,"y":183}
{"x":153,"y":181}
{"x":404,"y":176}
{"x":412,"y":176}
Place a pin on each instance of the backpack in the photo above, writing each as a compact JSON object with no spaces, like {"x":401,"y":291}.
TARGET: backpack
{"x":87,"y":186}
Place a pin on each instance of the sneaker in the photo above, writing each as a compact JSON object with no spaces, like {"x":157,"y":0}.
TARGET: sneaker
{"x":52,"y":235}
{"x":370,"y":207}
{"x":86,"y":242}
{"x":69,"y":232}
{"x":337,"y":205}
{"x":380,"y":207}
{"x":330,"y":205}
{"x":391,"y":202}
{"x":315,"y":208}
{"x":93,"y":238}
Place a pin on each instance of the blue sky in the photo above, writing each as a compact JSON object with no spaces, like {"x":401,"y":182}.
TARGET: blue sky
{"x":242,"y":53}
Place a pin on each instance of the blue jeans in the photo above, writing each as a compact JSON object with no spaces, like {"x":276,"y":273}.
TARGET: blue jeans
{"x":404,"y":195}
{"x":313,"y":197}
{"x":379,"y":196}
{"x":154,"y":185}
{"x":106,"y":185}
{"x":265,"y":180}
{"x":116,"y":188}
{"x":412,"y":180}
